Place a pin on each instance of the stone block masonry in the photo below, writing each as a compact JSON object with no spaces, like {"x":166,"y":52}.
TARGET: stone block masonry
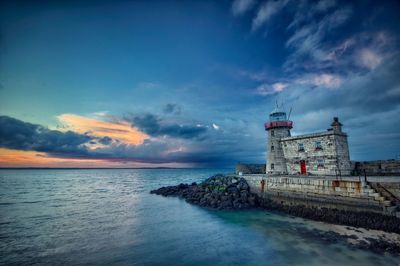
{"x":250,"y":168}
{"x":348,"y":195}
{"x":326,"y":158}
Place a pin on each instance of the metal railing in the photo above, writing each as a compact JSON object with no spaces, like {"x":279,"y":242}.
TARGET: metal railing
{"x":273,"y":124}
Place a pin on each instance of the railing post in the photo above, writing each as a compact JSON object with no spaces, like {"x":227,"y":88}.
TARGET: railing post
{"x":365,"y":176}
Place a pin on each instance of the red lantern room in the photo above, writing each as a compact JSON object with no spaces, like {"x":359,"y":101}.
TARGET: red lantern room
{"x":278,"y":119}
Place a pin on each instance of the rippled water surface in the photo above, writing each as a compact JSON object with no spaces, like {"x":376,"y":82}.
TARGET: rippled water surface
{"x":104,"y":217}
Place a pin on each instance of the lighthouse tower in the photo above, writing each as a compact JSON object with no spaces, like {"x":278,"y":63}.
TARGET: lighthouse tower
{"x":278,"y":127}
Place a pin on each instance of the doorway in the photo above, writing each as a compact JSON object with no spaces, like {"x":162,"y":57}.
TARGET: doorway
{"x":303,"y":169}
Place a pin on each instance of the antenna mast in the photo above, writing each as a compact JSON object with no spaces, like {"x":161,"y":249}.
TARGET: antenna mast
{"x":290,"y":112}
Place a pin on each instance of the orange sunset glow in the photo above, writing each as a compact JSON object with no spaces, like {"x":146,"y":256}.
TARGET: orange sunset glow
{"x":16,"y":158}
{"x":119,"y":130}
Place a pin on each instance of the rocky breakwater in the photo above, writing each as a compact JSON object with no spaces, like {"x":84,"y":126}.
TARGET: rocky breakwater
{"x":226,"y":192}
{"x":217,"y":192}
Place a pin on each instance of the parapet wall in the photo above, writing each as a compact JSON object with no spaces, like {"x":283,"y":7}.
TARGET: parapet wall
{"x":381,"y":167}
{"x":319,"y":192}
{"x":247,"y":169}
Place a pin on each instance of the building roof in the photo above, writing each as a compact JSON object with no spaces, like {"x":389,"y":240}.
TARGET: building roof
{"x":314,"y":135}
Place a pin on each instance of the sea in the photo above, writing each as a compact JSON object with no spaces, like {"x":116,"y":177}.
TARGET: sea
{"x":108,"y":217}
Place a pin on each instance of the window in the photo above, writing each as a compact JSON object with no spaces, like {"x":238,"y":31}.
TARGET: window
{"x":272,"y":148}
{"x":272,"y":133}
{"x":272,"y":166}
{"x":301,"y":147}
{"x":320,"y":163}
{"x":318,"y":145}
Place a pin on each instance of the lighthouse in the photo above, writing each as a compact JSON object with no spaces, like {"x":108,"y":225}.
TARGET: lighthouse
{"x":277,"y":128}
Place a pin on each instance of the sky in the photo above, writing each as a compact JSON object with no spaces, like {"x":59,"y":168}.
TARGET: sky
{"x":191,"y":83}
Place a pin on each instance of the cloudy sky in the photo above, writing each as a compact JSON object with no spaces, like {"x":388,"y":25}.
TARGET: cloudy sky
{"x":190,"y":83}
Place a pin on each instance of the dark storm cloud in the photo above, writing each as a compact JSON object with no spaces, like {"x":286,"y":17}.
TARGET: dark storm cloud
{"x":171,"y":108}
{"x":154,"y":126}
{"x":19,"y":135}
{"x":180,"y":144}
{"x":377,"y":91}
{"x":218,"y":148}
{"x":105,"y":140}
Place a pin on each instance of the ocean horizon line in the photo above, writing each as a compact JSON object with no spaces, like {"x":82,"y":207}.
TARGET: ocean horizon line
{"x":90,"y":168}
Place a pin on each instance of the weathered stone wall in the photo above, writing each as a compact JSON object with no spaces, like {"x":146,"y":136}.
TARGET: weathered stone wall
{"x":380,"y":167}
{"x":318,"y":192}
{"x":250,"y":168}
{"x":276,"y":162}
{"x":325,"y":159}
{"x":343,"y":156}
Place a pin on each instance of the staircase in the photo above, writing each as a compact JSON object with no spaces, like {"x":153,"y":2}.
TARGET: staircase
{"x":389,"y":202}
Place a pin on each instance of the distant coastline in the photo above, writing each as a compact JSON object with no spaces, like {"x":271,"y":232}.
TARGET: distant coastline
{"x":89,"y":168}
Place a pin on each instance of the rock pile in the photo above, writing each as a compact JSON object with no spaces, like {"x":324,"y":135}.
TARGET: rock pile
{"x":217,"y":192}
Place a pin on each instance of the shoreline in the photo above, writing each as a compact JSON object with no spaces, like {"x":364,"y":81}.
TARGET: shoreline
{"x":363,"y":230}
{"x":377,"y":241}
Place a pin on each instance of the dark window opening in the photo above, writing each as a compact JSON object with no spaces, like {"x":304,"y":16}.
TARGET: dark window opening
{"x":272,"y":166}
{"x":301,"y":147}
{"x":318,"y":145}
{"x":272,"y":148}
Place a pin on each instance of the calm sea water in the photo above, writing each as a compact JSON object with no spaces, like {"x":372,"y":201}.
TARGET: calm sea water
{"x":108,"y":217}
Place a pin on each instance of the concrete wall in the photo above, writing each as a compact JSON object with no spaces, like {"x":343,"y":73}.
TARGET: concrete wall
{"x":318,"y":192}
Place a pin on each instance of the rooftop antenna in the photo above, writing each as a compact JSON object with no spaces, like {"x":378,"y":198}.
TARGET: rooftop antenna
{"x":290,"y":112}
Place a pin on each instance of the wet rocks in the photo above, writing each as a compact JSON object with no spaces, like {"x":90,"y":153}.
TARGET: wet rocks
{"x":366,"y":220}
{"x":377,"y":245}
{"x":217,"y":192}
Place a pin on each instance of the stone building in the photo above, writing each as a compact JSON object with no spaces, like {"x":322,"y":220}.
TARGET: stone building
{"x":324,"y":153}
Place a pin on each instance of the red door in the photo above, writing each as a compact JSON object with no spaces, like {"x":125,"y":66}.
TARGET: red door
{"x":303,"y":169}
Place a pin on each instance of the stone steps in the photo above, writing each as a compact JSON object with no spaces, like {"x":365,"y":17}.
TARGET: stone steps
{"x":374,"y":195}
{"x":381,"y":199}
{"x":387,"y":203}
{"x":391,"y":209}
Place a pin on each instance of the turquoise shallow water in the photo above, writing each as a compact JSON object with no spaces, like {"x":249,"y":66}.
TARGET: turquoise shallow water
{"x":108,"y":217}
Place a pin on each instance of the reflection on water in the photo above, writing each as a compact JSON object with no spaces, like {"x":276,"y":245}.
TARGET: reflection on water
{"x":108,"y":217}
